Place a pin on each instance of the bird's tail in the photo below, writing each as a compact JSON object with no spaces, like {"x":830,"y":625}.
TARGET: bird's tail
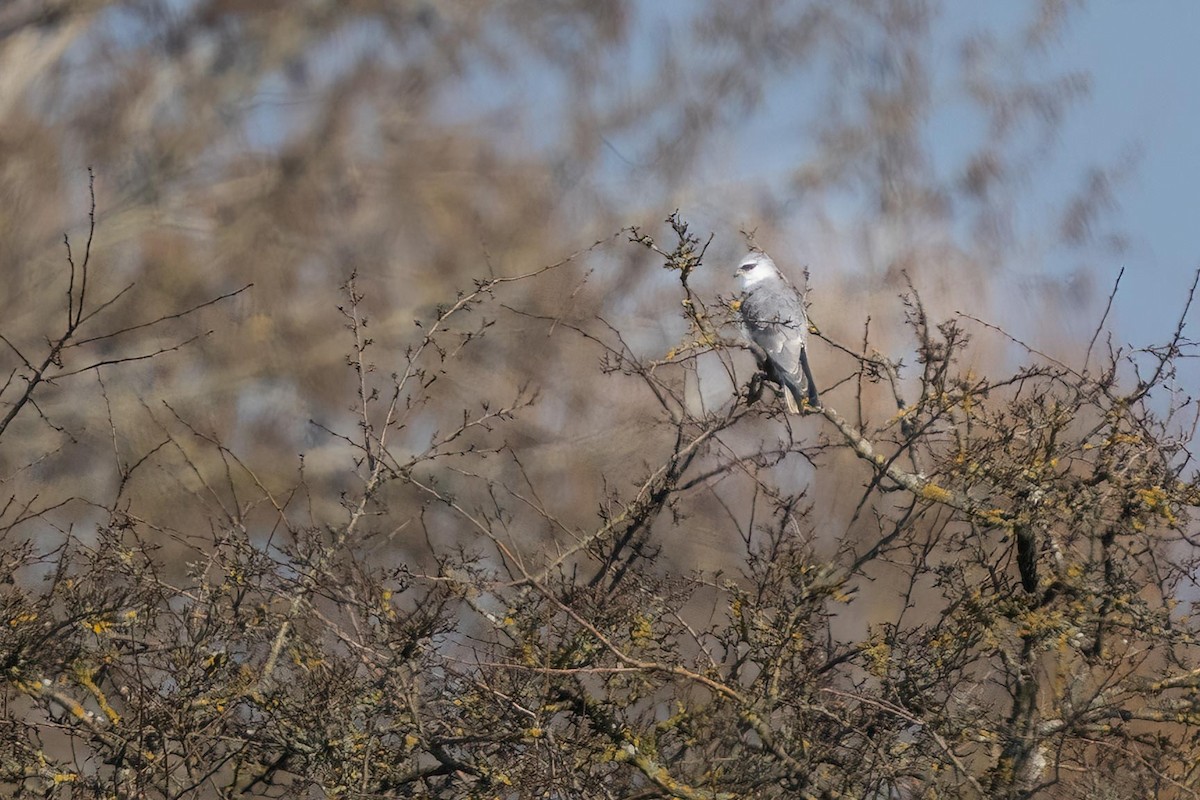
{"x":797,"y":393}
{"x":791,"y":394}
{"x":798,"y":389}
{"x":813,"y":399}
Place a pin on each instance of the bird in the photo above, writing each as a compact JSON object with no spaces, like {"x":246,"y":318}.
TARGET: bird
{"x":775,"y":323}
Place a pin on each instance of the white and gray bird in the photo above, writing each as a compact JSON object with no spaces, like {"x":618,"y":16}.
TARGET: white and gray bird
{"x":773,"y":314}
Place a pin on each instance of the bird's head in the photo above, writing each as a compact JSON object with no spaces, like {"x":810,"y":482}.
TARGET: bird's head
{"x":754,"y":267}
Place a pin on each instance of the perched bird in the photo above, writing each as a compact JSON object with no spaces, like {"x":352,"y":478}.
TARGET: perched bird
{"x":773,"y":313}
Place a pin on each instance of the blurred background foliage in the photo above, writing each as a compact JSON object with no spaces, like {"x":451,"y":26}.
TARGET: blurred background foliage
{"x":422,"y":145}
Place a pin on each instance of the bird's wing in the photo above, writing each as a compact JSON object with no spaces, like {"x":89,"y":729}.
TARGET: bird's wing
{"x":774,"y":318}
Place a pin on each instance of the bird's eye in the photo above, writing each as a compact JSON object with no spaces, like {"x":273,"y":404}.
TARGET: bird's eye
{"x":747,"y":267}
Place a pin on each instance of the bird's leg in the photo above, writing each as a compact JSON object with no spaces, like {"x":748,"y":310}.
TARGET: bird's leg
{"x":755,"y":387}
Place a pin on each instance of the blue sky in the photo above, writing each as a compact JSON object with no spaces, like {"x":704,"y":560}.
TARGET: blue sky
{"x":1145,"y":64}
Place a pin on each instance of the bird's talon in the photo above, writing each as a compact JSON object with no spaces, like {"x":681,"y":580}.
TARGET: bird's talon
{"x":754,"y":389}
